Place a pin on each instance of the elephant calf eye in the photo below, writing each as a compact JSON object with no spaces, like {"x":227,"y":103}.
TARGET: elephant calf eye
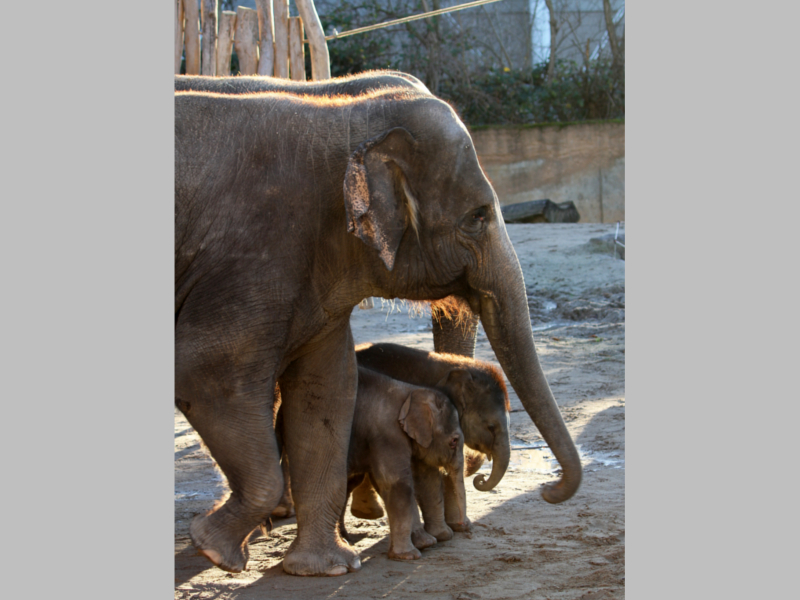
{"x":479,"y":215}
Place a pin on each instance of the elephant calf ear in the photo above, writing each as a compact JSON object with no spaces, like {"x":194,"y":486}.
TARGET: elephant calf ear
{"x":456,"y":382}
{"x":416,"y":418}
{"x":378,"y":208}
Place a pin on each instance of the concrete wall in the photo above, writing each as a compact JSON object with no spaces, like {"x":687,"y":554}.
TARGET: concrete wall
{"x":584,"y":163}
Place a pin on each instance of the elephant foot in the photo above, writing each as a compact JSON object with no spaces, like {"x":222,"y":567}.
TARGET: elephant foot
{"x":330,"y":562}
{"x":422,"y":539}
{"x":412,"y":554}
{"x":442,"y":533}
{"x":284,"y":510}
{"x":465,"y":526}
{"x":219,"y":544}
{"x":365,"y":504}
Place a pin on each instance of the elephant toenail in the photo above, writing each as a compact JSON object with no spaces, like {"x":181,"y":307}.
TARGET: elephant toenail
{"x":337,"y":570}
{"x":212,"y":555}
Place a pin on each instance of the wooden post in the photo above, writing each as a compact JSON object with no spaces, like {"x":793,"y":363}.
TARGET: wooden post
{"x":209,"y":14}
{"x":178,"y":35}
{"x":192,"y":37}
{"x":297,"y":57}
{"x":281,"y":13}
{"x":246,"y":40}
{"x":227,"y":25}
{"x":266,"y":27}
{"x":317,"y":46}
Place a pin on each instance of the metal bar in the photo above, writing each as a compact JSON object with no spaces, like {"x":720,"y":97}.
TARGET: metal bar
{"x":426,"y":15}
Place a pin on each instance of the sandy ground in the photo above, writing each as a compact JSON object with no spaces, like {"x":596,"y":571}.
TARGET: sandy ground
{"x":520,"y":546}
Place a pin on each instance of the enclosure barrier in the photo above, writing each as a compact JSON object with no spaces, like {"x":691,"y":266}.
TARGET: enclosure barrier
{"x":267,"y":40}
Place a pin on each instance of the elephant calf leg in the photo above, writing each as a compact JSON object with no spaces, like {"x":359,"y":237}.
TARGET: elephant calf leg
{"x":400,"y":503}
{"x":454,"y":513}
{"x":430,"y":494}
{"x":419,"y":537}
{"x":365,"y":504}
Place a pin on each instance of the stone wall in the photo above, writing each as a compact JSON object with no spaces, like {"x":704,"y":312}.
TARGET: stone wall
{"x":584,"y":163}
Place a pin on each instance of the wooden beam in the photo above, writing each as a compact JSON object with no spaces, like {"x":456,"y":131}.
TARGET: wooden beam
{"x":246,"y":40}
{"x":266,"y":28}
{"x":317,"y":46}
{"x":191,"y":36}
{"x":297,"y":57}
{"x":281,"y":16}
{"x":209,"y":14}
{"x":227,"y":25}
{"x":178,"y":35}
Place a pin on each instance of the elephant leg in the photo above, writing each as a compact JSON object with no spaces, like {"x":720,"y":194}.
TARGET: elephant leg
{"x":430,"y":495}
{"x":419,"y":537}
{"x":231,"y":411}
{"x":319,"y":392}
{"x":400,"y":508}
{"x":366,"y":504}
{"x":285,"y":508}
{"x":455,"y":333}
{"x":455,"y":514}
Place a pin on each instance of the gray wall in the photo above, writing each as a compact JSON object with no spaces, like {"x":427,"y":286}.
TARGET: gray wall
{"x":584,"y":163}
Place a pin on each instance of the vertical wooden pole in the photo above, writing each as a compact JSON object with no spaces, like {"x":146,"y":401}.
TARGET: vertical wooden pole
{"x":178,"y":35}
{"x":192,"y":37}
{"x":246,"y":40}
{"x":317,"y":46}
{"x":209,"y":14}
{"x":227,"y":25}
{"x":281,"y":12}
{"x":266,"y":27}
{"x":297,"y":57}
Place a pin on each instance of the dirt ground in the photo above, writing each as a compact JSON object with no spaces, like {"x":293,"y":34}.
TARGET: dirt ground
{"x":520,"y":546}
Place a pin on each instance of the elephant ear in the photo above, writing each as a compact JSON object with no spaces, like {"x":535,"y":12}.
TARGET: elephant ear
{"x":416,"y":417}
{"x":456,"y":382}
{"x":377,"y":199}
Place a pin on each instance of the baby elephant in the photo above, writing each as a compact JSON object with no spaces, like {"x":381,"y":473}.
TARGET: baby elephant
{"x":402,"y":436}
{"x":477,"y":390}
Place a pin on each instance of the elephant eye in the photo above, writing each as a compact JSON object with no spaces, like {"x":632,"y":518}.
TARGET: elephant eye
{"x":475,"y":220}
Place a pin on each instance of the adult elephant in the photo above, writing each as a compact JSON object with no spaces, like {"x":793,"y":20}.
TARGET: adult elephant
{"x":289,"y":211}
{"x":453,"y":333}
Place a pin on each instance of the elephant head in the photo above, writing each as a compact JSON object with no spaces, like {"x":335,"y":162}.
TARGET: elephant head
{"x":480,"y":395}
{"x":416,"y":194}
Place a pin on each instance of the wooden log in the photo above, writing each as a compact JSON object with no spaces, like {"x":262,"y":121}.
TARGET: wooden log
{"x":266,"y":47}
{"x":227,"y":25}
{"x":297,"y":55}
{"x":191,"y":36}
{"x":209,"y":15}
{"x":281,"y":16}
{"x":317,"y":46}
{"x":246,"y":40}
{"x":178,"y":35}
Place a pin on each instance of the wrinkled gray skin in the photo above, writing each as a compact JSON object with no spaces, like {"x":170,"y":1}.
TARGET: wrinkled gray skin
{"x":476,"y":389}
{"x":402,"y":434}
{"x":289,"y":211}
{"x":448,"y":335}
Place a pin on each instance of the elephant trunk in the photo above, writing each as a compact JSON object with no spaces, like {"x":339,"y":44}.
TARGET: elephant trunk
{"x":501,"y":455}
{"x":506,"y":320}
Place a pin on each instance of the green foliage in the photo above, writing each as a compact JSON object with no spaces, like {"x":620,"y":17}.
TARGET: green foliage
{"x":460,"y":69}
{"x":515,"y":97}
